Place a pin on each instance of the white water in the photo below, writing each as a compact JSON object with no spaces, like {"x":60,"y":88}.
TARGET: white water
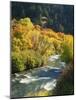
{"x":38,"y":78}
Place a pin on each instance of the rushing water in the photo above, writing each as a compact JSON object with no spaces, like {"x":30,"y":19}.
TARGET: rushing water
{"x":26,"y":84}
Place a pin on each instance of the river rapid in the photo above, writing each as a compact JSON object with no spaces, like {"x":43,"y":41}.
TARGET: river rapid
{"x":30,"y":83}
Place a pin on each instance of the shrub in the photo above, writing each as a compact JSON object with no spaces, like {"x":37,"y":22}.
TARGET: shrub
{"x":17,"y":62}
{"x":32,"y":45}
{"x":32,"y":59}
{"x":67,"y":54}
{"x":57,"y":46}
{"x":27,"y":22}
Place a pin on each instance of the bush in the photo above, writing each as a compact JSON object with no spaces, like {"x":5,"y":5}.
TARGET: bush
{"x":67,"y":54}
{"x":25,"y":60}
{"x":32,"y":59}
{"x":27,"y":22}
{"x":32,"y":45}
{"x":17,"y":63}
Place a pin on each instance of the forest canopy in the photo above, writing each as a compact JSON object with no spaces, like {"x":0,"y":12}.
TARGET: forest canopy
{"x":58,"y":17}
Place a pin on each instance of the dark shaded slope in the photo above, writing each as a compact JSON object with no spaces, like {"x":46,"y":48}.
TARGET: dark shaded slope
{"x":59,"y":17}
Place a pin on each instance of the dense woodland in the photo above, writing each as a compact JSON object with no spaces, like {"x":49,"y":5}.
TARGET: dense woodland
{"x":58,"y":17}
{"x":39,"y":31}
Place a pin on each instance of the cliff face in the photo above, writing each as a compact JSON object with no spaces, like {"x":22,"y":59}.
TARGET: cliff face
{"x":58,"y":17}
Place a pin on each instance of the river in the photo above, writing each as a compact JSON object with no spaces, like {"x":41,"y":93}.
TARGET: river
{"x":30,"y":83}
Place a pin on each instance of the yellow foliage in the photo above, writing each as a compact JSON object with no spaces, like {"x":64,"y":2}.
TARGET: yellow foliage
{"x":67,"y":54}
{"x":39,"y":93}
{"x":25,"y":35}
{"x":44,"y":41}
{"x":68,"y":39}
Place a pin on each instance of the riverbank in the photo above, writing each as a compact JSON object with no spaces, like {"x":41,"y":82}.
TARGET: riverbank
{"x":33,"y":82}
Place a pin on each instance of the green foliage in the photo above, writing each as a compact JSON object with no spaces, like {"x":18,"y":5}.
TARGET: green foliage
{"x":27,"y":22}
{"x":27,"y":59}
{"x":32,"y":59}
{"x":59,"y":17}
{"x":17,"y":62}
{"x":67,"y":54}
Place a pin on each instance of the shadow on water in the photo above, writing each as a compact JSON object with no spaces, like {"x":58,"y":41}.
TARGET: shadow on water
{"x":53,"y":73}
